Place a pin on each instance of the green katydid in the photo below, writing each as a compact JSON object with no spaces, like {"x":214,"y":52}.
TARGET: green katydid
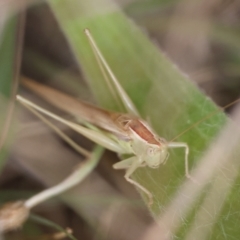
{"x":119,"y":132}
{"x":129,"y":134}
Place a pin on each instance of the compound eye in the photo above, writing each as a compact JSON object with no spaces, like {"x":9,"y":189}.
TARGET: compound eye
{"x":151,"y":151}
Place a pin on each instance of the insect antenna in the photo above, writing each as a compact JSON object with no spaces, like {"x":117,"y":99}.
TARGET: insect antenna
{"x":205,"y":118}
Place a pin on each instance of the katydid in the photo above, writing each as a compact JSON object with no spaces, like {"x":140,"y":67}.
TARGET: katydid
{"x":130,"y":133}
{"x":119,"y":132}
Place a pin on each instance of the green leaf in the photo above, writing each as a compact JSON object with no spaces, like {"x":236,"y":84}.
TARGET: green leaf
{"x":160,"y":91}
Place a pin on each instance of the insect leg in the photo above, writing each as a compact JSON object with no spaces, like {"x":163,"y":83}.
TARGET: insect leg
{"x":136,"y":163}
{"x":97,"y":137}
{"x":112,"y":82}
{"x":182,"y":145}
{"x":124,"y":164}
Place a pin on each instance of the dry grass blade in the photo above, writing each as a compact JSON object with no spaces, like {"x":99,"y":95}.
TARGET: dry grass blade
{"x":12,"y":216}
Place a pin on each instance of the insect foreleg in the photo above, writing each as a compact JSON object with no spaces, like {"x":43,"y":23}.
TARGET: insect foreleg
{"x":124,"y":164}
{"x":182,"y":145}
{"x":136,"y":163}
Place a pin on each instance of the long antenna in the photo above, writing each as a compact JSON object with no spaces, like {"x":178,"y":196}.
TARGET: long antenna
{"x":206,"y":117}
